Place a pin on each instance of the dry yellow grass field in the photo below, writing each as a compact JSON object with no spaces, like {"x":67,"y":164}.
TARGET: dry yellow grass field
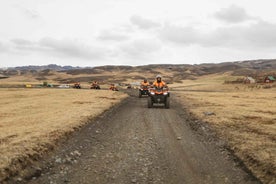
{"x":31,"y":120}
{"x":243,"y":115}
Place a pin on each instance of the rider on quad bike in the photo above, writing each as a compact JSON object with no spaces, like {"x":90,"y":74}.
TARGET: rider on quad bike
{"x":144,"y":82}
{"x":113,"y":87}
{"x":77,"y":85}
{"x":159,"y":83}
{"x":159,"y":94}
{"x":144,"y":88}
{"x":95,"y":85}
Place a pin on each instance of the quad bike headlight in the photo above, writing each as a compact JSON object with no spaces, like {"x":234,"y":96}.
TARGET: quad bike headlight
{"x":152,"y":93}
{"x":165,"y":93}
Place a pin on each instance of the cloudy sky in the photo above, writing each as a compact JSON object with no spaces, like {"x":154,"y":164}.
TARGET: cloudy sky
{"x":135,"y":32}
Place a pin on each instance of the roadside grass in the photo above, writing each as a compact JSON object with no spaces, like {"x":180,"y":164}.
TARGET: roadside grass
{"x":244,"y":116}
{"x":32,"y":120}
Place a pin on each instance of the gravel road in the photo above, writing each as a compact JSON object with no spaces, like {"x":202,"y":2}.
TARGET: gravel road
{"x":134,"y":144}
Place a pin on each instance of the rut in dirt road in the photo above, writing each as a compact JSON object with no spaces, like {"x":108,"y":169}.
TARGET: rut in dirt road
{"x":134,"y":144}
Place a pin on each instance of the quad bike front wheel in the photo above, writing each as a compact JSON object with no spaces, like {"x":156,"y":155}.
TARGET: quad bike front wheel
{"x":140,"y":94}
{"x":167,"y":103}
{"x":150,"y":103}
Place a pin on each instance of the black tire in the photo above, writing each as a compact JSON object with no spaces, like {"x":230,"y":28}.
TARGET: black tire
{"x":140,"y":94}
{"x":150,"y":102}
{"x":167,"y":103}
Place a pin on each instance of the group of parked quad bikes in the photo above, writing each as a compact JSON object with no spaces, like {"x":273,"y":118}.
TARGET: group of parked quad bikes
{"x":157,"y":92}
{"x":95,"y":85}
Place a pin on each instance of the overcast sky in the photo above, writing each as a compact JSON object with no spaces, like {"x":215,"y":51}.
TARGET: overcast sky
{"x":135,"y":32}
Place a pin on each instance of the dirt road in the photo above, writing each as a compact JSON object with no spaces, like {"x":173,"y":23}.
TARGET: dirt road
{"x":134,"y":144}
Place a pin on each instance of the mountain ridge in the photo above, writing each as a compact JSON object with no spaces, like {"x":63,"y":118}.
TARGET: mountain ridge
{"x":255,"y":64}
{"x":120,"y":73}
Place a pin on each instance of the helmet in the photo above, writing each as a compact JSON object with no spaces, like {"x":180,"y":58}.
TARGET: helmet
{"x":158,"y":76}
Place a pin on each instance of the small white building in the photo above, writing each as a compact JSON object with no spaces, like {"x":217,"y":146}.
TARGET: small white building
{"x":249,"y":80}
{"x":64,"y":86}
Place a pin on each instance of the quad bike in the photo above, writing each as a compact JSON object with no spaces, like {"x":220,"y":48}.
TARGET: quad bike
{"x":95,"y":86}
{"x":144,"y":90}
{"x":113,"y":88}
{"x":77,"y":86}
{"x":159,"y":96}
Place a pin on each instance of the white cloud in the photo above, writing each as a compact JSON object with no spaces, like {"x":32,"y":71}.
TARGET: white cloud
{"x":255,"y":35}
{"x":60,"y":48}
{"x":179,"y":34}
{"x":3,"y":48}
{"x":138,"y":49}
{"x":143,"y":23}
{"x":20,"y":41}
{"x":70,"y":48}
{"x":137,"y":31}
{"x":111,"y":35}
{"x":232,"y":14}
{"x":30,"y":13}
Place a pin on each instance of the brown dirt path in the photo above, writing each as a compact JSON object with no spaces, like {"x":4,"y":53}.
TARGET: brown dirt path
{"x":134,"y":144}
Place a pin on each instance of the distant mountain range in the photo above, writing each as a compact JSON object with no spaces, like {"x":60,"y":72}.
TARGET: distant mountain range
{"x":250,"y":64}
{"x":115,"y":73}
{"x":43,"y":67}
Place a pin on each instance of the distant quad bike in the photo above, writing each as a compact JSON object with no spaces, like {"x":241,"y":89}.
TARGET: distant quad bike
{"x":113,"y":88}
{"x":77,"y":86}
{"x":143,"y":91}
{"x":159,"y":96}
{"x":95,"y":86}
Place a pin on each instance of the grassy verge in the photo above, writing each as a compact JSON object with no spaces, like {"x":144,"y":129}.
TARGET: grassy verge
{"x":32,"y":120}
{"x":242,"y":115}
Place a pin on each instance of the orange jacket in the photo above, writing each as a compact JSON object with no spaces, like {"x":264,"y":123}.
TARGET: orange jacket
{"x":144,"y":84}
{"x":159,"y":84}
{"x":113,"y":87}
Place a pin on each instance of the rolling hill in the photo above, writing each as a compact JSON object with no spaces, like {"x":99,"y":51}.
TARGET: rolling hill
{"x":110,"y":73}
